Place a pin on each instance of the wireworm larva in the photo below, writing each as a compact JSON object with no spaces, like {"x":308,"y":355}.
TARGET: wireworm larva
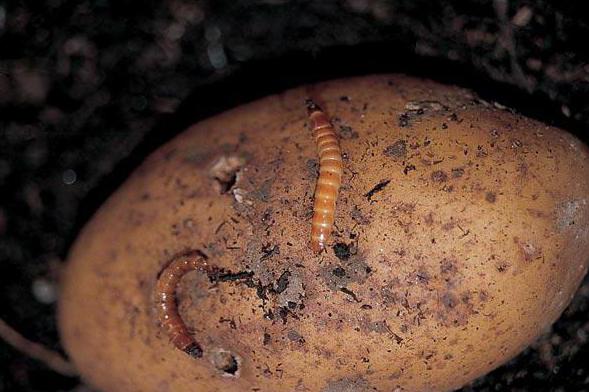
{"x":330,"y":176}
{"x":167,"y":307}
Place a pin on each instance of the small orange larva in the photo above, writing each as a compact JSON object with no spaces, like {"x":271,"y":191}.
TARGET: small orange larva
{"x":167,"y":308}
{"x":330,"y":176}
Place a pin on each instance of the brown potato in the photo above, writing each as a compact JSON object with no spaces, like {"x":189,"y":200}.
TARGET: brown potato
{"x":462,"y":232}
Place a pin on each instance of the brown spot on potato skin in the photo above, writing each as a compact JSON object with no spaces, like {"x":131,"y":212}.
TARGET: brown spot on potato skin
{"x":439,"y":176}
{"x":294,"y":336}
{"x":502,"y":266}
{"x":528,"y":251}
{"x":570,"y":213}
{"x":457,"y":172}
{"x":397,"y":150}
{"x":491,"y":197}
{"x":448,"y":266}
{"x":312,"y":167}
{"x":353,"y":270}
{"x":359,"y":217}
{"x":346,"y":132}
{"x":449,"y":300}
{"x":429,"y":219}
{"x":348,"y":385}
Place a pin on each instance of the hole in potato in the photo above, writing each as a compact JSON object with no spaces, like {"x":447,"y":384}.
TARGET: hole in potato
{"x":226,"y":362}
{"x":225,"y":170}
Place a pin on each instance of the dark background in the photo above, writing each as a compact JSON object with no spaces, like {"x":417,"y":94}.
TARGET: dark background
{"x":88,"y":89}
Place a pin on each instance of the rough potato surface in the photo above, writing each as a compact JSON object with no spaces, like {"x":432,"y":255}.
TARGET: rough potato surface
{"x":462,"y":232}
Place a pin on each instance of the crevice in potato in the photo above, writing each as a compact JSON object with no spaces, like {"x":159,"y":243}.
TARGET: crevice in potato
{"x":227,"y":363}
{"x":225,"y":171}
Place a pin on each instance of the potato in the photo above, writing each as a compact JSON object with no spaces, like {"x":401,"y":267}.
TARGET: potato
{"x":461,"y":233}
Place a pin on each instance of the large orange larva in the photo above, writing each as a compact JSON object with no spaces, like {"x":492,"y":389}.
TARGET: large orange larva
{"x":330,"y":176}
{"x":167,"y":308}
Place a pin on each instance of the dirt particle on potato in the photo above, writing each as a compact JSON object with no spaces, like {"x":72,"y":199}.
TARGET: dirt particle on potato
{"x":339,"y":272}
{"x":346,"y":132}
{"x":359,"y":217}
{"x":282,"y":282}
{"x":448,"y":266}
{"x":267,"y":339}
{"x":404,"y":120}
{"x":354,"y":270}
{"x":377,"y":188}
{"x":312,"y":166}
{"x":397,"y":150}
{"x":457,"y":172}
{"x":439,"y":176}
{"x":294,"y":336}
{"x":348,"y":384}
{"x":294,"y":290}
{"x":502,"y":266}
{"x":342,"y":251}
{"x":491,"y":197}
{"x":433,"y":106}
{"x":516,"y":143}
{"x":349,"y":292}
{"x":264,"y":191}
{"x":408,"y":168}
{"x":481,"y":152}
{"x":269,"y":251}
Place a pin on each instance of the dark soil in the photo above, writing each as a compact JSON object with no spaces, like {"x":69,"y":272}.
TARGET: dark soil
{"x":88,"y":89}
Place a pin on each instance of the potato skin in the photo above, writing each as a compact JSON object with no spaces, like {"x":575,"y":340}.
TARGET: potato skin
{"x":473,"y":243}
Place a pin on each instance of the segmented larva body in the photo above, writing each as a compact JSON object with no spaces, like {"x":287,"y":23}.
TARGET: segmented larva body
{"x":166,"y":305}
{"x":330,"y":176}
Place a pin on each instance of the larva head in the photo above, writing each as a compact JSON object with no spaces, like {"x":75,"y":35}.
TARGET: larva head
{"x":194,"y":350}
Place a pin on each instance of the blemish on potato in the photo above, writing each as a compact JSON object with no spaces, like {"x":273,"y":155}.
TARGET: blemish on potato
{"x":293,"y":292}
{"x":359,"y":217}
{"x":439,"y":176}
{"x":294,"y":336}
{"x":312,"y":168}
{"x":429,"y":219}
{"x":224,"y":171}
{"x":342,"y":251}
{"x":264,"y":191}
{"x":528,"y":251}
{"x":267,"y":339}
{"x":346,"y":132}
{"x":491,"y":197}
{"x":569,"y":213}
{"x":457,"y":172}
{"x":349,"y":385}
{"x":227,"y":363}
{"x":397,"y":150}
{"x":377,"y":188}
